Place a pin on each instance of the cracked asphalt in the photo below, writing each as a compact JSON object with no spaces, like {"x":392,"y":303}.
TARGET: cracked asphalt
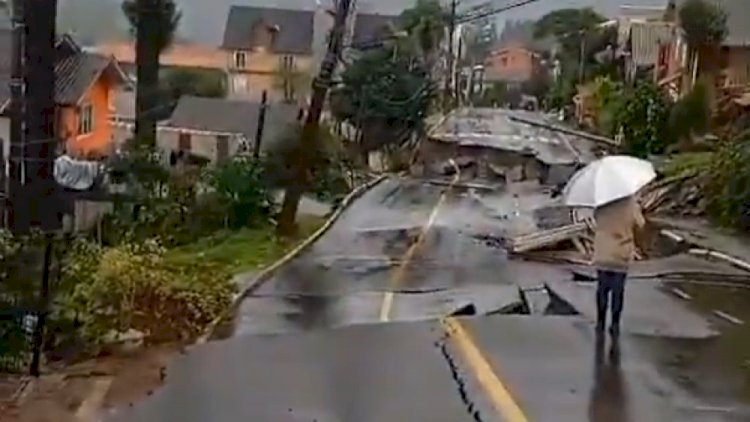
{"x":331,"y":337}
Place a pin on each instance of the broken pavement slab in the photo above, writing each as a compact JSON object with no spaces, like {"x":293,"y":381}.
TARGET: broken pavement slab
{"x":296,"y":313}
{"x":554,"y":373}
{"x":648,"y":310}
{"x":702,"y":235}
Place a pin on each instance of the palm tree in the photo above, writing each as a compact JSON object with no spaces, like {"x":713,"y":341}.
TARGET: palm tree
{"x":154,"y":23}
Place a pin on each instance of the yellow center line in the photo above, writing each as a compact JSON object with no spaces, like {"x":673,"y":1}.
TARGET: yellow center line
{"x":498,"y":394}
{"x":398,"y":274}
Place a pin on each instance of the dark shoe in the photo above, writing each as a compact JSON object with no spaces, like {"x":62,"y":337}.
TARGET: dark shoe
{"x":600,"y":327}
{"x":614,"y":331}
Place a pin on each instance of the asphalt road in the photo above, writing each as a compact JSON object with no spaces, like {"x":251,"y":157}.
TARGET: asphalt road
{"x":354,"y":330}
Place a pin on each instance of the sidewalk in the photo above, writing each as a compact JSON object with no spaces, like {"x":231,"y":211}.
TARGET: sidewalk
{"x":702,"y":235}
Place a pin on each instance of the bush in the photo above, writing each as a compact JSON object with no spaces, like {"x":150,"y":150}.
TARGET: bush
{"x":328,"y":163}
{"x":643,"y":117}
{"x":132,"y":286}
{"x":691,"y":115}
{"x":729,"y":187}
{"x":239,"y":186}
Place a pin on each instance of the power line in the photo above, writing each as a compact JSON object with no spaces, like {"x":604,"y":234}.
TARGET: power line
{"x":495,"y":11}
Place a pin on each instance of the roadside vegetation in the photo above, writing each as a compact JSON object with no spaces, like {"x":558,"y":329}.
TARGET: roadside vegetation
{"x":705,"y":146}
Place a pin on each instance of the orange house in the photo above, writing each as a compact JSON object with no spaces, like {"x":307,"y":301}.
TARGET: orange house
{"x":84,"y":93}
{"x":511,"y":64}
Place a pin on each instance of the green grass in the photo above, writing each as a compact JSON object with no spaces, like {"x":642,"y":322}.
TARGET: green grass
{"x":687,"y":164}
{"x":242,"y":250}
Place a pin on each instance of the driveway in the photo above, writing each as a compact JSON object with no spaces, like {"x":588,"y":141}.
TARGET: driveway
{"x":409,"y":309}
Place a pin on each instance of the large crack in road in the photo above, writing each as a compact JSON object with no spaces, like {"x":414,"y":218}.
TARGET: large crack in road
{"x":471,"y":407}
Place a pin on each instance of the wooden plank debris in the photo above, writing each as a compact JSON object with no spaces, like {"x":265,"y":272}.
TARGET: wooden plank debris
{"x":545,"y":238}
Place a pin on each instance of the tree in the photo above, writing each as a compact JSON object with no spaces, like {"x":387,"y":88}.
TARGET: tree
{"x":386,"y":96}
{"x":705,"y":27}
{"x":154,"y":23}
{"x":425,"y":24}
{"x":578,"y":31}
{"x":691,"y":115}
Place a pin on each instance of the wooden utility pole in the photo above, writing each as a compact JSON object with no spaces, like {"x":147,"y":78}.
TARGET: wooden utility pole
{"x":261,"y":124}
{"x":448,"y":99}
{"x":39,"y":190}
{"x":308,"y":141}
{"x":16,"y":202}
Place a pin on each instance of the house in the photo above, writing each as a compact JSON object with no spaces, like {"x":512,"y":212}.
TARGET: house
{"x":177,"y":55}
{"x":735,"y":51}
{"x":269,"y":50}
{"x":642,"y":47}
{"x":216,"y":129}
{"x":83,"y":93}
{"x":512,"y":64}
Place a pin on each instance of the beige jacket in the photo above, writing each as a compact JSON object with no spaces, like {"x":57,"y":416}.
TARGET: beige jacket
{"x":616,"y":227}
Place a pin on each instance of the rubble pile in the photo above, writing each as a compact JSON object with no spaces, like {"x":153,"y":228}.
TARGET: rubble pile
{"x":682,"y":196}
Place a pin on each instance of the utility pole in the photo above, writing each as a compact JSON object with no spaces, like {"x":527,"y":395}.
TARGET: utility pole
{"x":449,"y":62}
{"x":261,"y":124}
{"x":308,"y":141}
{"x":16,"y":200}
{"x":582,"y":59}
{"x":40,"y":145}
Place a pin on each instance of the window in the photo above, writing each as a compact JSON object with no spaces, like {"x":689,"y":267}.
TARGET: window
{"x":240,"y":59}
{"x":85,"y":119}
{"x":287,"y":62}
{"x":184,"y":142}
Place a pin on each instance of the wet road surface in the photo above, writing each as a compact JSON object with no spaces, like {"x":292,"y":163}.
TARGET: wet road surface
{"x":312,"y":343}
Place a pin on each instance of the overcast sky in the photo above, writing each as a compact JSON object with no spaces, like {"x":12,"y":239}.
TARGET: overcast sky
{"x":203,"y":20}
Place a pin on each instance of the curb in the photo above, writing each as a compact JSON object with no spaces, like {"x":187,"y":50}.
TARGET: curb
{"x":706,"y":253}
{"x":736,"y":262}
{"x":267,"y":272}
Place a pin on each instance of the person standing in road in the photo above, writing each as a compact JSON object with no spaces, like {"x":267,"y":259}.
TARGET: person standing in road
{"x":617,"y":226}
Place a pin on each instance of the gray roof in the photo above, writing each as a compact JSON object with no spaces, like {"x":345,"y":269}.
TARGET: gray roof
{"x":230,"y":116}
{"x":737,"y":21}
{"x":369,"y":28}
{"x":296,"y":29}
{"x":74,"y":72}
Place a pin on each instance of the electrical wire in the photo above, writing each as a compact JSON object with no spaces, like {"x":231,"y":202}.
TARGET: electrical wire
{"x":496,"y":11}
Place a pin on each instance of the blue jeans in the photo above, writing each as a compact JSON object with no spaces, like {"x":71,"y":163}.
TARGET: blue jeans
{"x":610,"y":283}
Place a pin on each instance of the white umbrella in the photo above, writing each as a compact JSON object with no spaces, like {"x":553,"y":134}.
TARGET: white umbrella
{"x":607,"y":180}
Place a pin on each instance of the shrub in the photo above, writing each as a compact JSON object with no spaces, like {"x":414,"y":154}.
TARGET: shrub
{"x":328,"y":163}
{"x":729,"y":187}
{"x":239,"y":186}
{"x":132,"y":286}
{"x":643,"y":117}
